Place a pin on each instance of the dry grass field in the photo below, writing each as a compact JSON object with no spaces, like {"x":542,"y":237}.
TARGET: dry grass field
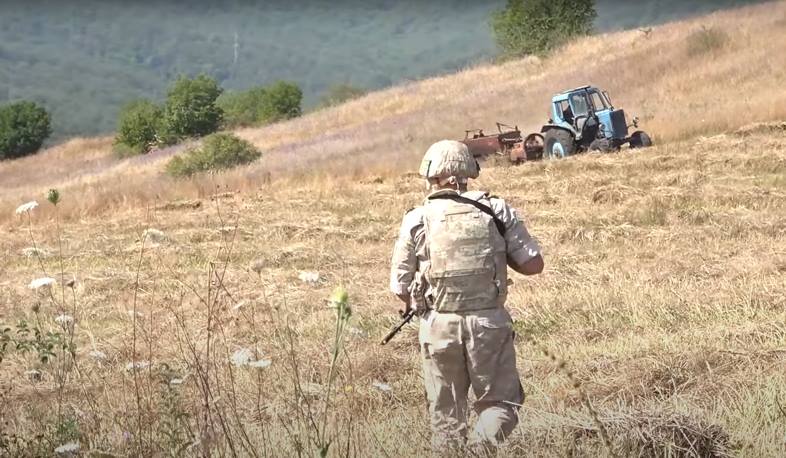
{"x":194,"y":318}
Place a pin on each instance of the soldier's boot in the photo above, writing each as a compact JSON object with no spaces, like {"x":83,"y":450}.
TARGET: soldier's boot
{"x":494,"y":426}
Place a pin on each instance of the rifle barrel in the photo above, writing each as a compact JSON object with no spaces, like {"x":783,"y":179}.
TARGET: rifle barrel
{"x":406,"y":319}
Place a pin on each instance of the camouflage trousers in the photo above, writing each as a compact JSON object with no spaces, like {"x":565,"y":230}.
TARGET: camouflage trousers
{"x":470,"y":350}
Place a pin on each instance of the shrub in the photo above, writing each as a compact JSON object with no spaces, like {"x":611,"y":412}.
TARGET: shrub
{"x":218,"y":152}
{"x":191,"y":109}
{"x":282,"y":101}
{"x":340,"y":93}
{"x":242,"y":108}
{"x":705,"y":40}
{"x":139,"y":123}
{"x":23,"y":128}
{"x":538,"y":26}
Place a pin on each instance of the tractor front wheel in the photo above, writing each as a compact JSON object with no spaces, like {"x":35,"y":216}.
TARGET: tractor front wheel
{"x":640,"y":139}
{"x":558,"y":144}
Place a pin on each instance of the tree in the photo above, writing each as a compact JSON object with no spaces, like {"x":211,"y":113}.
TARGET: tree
{"x":282,"y":101}
{"x":139,"y":123}
{"x":539,"y":26}
{"x":191,"y":109}
{"x":242,"y":108}
{"x":340,"y":93}
{"x":261,"y":104}
{"x":23,"y":128}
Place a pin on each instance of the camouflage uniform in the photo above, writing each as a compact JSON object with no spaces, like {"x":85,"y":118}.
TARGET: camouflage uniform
{"x":466,"y":335}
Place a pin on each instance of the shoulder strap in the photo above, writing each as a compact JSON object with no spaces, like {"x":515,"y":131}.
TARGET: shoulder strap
{"x":484,"y":208}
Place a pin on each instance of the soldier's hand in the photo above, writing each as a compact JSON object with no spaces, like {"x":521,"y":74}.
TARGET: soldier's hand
{"x":411,"y":306}
{"x":407,"y":300}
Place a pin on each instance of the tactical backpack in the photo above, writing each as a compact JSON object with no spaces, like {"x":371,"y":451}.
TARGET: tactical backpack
{"x":467,"y":252}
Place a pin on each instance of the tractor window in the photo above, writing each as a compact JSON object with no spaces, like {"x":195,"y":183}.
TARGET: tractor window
{"x":607,"y":99}
{"x":579,"y":104}
{"x":598,"y":101}
{"x":565,"y":112}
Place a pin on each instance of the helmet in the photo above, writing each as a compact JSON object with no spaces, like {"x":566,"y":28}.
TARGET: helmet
{"x":449,"y":158}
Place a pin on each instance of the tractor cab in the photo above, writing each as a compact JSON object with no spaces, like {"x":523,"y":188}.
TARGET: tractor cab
{"x":587,"y":111}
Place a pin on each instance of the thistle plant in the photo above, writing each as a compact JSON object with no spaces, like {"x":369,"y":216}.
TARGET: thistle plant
{"x":53,"y":196}
{"x":339,"y":301}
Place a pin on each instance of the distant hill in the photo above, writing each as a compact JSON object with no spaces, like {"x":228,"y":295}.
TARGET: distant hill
{"x":85,"y":59}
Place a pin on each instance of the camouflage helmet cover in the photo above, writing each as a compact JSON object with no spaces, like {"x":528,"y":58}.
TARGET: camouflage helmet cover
{"x":449,"y":158}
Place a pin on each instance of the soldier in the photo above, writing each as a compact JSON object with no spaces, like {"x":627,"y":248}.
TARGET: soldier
{"x":450,"y":264}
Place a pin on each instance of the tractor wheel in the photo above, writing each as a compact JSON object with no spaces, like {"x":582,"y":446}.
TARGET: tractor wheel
{"x":640,"y":139}
{"x":558,"y":144}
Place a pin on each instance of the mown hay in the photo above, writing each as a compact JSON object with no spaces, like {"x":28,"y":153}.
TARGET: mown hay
{"x":614,"y":194}
{"x":777,"y":127}
{"x":632,"y":433}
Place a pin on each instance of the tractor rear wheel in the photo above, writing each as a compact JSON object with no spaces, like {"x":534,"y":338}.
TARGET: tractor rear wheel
{"x":558,"y":144}
{"x":640,"y":139}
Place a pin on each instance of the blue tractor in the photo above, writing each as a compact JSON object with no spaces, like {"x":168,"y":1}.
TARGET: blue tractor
{"x":584,"y":119}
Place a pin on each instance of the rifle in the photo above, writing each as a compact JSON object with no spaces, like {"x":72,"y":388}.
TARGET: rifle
{"x":405,"y":319}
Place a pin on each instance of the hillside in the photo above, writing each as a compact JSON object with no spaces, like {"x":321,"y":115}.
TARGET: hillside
{"x":658,"y":322}
{"x":84,"y":60}
{"x":677,"y":94}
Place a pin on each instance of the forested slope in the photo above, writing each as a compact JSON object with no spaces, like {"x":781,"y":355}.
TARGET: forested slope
{"x":84,"y":60}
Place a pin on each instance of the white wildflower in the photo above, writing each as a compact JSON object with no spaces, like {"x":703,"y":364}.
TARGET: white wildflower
{"x":357,"y":332}
{"x":238,"y":305}
{"x":98,"y":354}
{"x":137,"y":365}
{"x":154,"y":235}
{"x":260,"y":364}
{"x":70,"y":447}
{"x":245,"y":357}
{"x":309,"y":277}
{"x":33,"y":252}
{"x":41,"y":282}
{"x":258,"y":265}
{"x":64,"y":319}
{"x":382,"y":387}
{"x":311,"y":389}
{"x":176,"y":381}
{"x":241,"y":357}
{"x":24,"y":208}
